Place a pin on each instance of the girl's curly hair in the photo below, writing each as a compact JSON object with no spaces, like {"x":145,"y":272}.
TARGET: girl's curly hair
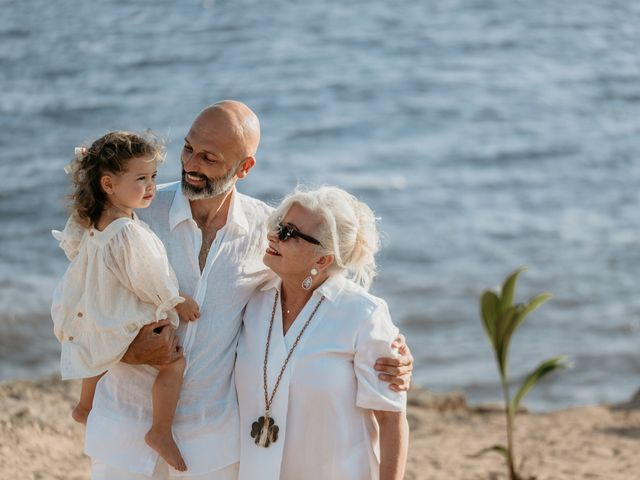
{"x":108,"y":154}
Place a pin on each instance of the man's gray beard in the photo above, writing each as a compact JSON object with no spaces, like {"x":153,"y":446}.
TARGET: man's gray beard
{"x":212,"y":187}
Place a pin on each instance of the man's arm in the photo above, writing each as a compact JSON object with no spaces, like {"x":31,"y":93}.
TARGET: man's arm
{"x":396,"y":371}
{"x":155,"y":344}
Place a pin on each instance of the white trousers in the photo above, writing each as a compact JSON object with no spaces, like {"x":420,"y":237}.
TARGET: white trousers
{"x":102,"y":471}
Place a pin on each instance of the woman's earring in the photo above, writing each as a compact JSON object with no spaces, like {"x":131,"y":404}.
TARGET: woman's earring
{"x":307,"y":282}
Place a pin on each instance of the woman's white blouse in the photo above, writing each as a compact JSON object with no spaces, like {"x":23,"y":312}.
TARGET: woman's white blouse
{"x":324,"y":404}
{"x":119,"y":280}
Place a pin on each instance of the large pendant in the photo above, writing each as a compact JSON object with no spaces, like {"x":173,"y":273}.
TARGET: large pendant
{"x":264,"y":431}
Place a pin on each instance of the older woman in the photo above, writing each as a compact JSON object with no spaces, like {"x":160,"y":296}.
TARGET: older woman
{"x":311,"y":405}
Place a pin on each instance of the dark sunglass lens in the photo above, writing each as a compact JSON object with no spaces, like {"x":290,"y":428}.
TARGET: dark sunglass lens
{"x":283,"y":232}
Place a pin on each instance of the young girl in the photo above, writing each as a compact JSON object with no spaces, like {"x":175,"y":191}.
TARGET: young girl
{"x":119,"y":278}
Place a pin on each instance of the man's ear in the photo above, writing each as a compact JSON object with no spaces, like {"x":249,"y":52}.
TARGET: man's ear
{"x":324,"y":262}
{"x":245,"y":166}
{"x":106,"y":182}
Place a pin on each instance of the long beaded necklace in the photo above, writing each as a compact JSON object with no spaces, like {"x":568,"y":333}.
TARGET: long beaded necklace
{"x":264,"y":430}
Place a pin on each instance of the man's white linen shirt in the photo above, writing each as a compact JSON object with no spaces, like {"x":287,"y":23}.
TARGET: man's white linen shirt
{"x":206,"y":425}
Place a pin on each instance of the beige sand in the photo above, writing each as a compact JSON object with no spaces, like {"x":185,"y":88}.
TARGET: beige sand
{"x":38,"y":439}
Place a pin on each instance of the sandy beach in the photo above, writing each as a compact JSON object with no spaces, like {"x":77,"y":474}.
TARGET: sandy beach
{"x":39,"y":440}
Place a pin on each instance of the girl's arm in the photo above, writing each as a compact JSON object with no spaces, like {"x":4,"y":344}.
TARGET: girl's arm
{"x":394,"y":443}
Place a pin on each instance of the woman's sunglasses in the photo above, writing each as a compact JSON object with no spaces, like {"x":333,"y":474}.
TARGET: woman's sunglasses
{"x":285,"y":232}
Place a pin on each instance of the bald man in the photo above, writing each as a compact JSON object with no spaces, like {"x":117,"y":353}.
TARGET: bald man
{"x":215,"y":239}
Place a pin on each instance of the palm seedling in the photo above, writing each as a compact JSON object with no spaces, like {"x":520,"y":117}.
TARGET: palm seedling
{"x":501,"y":318}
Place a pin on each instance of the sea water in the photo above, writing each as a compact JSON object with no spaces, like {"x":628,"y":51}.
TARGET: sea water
{"x":486,"y":135}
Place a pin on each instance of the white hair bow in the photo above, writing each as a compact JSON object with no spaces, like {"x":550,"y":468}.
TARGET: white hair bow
{"x":74,"y":164}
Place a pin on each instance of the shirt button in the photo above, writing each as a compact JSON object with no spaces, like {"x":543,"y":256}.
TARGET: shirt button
{"x":71,"y":338}
{"x":91,"y":234}
{"x":80,"y":314}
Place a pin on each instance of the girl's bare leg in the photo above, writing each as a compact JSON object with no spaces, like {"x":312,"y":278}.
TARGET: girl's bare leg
{"x":165,"y":394}
{"x":82,"y":409}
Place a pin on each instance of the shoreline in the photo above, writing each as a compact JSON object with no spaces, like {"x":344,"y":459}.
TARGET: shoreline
{"x":39,"y":440}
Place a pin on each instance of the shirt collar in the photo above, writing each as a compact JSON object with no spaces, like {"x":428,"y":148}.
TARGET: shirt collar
{"x":181,"y":210}
{"x":236,"y":215}
{"x":331,"y":287}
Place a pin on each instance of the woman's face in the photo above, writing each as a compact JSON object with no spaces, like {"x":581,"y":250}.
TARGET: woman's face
{"x":293,"y":258}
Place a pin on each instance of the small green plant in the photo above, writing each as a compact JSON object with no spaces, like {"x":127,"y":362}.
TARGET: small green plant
{"x":501,"y":318}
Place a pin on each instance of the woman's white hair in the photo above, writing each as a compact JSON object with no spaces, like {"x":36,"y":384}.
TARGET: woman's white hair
{"x":348,"y":230}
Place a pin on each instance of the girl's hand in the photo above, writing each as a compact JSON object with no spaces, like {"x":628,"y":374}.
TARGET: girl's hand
{"x":188,"y":311}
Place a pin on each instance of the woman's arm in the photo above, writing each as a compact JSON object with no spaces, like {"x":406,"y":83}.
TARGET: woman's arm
{"x":394,"y":444}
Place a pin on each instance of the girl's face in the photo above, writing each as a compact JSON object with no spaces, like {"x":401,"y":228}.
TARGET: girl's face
{"x":136,"y":186}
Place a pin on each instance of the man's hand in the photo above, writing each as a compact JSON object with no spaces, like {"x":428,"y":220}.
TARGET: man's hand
{"x":155,"y":344}
{"x":189,"y":310}
{"x":397,"y":371}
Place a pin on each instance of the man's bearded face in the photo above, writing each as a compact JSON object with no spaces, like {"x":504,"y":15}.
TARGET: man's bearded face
{"x":212,"y":187}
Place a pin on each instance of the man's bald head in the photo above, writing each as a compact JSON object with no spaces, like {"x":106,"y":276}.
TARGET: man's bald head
{"x":236,"y":121}
{"x":219,"y":149}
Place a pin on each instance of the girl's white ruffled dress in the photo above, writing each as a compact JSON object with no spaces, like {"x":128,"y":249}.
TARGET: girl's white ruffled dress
{"x":118,"y":281}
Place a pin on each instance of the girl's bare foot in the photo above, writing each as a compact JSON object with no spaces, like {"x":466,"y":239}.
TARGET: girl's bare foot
{"x":80,"y":414}
{"x":167,"y":448}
